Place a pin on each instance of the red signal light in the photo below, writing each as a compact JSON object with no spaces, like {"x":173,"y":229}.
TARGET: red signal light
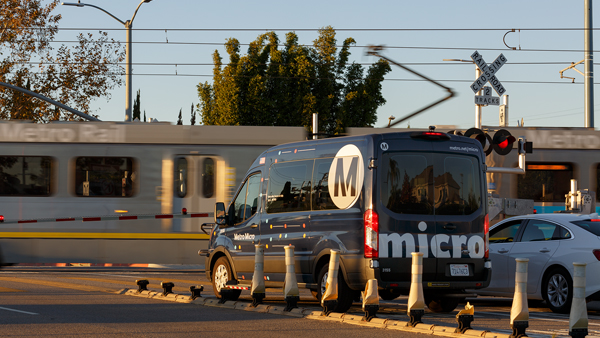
{"x":503,"y":142}
{"x":184,"y":211}
{"x":1,"y":218}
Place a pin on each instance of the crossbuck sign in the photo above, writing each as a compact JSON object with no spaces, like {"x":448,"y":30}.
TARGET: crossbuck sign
{"x":488,"y":73}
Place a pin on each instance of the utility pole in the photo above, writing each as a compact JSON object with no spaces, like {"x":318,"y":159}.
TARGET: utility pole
{"x":589,"y":66}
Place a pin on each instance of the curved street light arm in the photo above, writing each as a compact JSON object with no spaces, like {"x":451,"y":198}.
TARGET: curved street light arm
{"x":136,"y":10}
{"x":102,"y":9}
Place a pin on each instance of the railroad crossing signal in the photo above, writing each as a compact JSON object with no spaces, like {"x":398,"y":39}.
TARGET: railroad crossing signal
{"x":488,"y":73}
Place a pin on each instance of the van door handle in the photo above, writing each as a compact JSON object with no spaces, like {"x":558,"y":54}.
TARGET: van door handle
{"x":544,"y":250}
{"x":254,"y":225}
{"x":449,"y":226}
{"x":502,"y":250}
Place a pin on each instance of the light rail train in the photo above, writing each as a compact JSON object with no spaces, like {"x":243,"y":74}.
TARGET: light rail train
{"x":70,"y":170}
{"x":62,"y":172}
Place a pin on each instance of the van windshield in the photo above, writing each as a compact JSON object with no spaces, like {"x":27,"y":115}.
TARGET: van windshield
{"x":430,"y":183}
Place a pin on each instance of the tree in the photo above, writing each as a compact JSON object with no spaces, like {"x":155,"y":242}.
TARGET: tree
{"x":269,"y":86}
{"x":71,"y":75}
{"x":136,"y":106}
{"x":193,"y":119}
{"x":179,"y":119}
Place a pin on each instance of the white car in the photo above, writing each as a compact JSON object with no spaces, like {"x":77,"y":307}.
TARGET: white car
{"x":552,"y":242}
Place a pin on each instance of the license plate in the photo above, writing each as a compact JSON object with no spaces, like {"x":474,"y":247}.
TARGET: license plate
{"x":459,"y":269}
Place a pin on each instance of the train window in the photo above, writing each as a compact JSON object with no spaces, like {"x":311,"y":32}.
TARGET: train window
{"x":545,"y":182}
{"x":181,"y":170}
{"x":104,"y":176}
{"x":25,"y":175}
{"x":289,"y":186}
{"x":208,"y":177}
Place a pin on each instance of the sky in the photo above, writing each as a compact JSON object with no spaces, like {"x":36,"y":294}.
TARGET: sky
{"x":417,"y":34}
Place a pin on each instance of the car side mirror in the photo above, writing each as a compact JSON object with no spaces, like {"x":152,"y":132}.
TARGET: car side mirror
{"x":220,"y":216}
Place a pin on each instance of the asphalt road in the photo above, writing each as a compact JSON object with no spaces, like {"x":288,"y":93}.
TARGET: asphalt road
{"x":93,"y":302}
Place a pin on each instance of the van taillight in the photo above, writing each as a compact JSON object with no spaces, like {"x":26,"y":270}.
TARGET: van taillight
{"x":371,"y":234}
{"x":486,"y":231}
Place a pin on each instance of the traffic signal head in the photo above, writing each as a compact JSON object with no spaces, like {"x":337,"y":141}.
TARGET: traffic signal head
{"x":503,"y":142}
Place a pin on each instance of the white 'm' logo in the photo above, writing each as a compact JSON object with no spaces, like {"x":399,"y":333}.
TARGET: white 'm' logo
{"x":346,"y":176}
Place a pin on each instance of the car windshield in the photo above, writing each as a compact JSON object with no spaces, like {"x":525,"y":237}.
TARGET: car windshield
{"x":592,"y":226}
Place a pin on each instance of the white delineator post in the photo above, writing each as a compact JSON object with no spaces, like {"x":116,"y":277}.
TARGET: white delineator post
{"x":330,"y":297}
{"x":416,"y":300}
{"x":370,"y":300}
{"x":290,"y":290}
{"x":578,"y":319}
{"x":519,"y":312}
{"x":258,"y":278}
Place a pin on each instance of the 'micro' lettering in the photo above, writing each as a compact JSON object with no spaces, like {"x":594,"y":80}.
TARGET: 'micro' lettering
{"x":345,"y":182}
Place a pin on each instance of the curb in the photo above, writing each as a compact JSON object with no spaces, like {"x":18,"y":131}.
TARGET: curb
{"x":380,"y":323}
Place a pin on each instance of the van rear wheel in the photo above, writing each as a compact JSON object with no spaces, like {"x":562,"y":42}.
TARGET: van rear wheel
{"x":345,"y":294}
{"x":440,"y":304}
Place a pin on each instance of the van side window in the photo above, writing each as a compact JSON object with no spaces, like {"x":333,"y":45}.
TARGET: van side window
{"x":289,"y":186}
{"x":181,"y":171}
{"x":25,"y":175}
{"x":245,"y":204}
{"x":320,"y":194}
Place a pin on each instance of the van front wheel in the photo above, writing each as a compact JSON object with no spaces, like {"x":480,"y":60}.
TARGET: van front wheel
{"x":345,"y":294}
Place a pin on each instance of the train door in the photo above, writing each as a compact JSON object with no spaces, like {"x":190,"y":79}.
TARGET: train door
{"x":195,"y":189}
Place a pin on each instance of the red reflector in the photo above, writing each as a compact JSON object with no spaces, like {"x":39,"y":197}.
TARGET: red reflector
{"x":198,"y":215}
{"x":597,"y":254}
{"x":478,"y":284}
{"x":394,"y":285}
{"x":92,"y":219}
{"x":28,"y":221}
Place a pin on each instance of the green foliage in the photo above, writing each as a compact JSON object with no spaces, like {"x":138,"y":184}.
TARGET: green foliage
{"x":73,"y":75}
{"x":136,"y":106}
{"x":179,"y":119}
{"x":284,"y":87}
{"x":193,"y":118}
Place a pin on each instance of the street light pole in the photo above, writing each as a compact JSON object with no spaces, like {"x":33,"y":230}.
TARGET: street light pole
{"x":128,"y":25}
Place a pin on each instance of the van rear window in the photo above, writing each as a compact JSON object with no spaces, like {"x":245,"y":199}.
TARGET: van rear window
{"x":430,"y":183}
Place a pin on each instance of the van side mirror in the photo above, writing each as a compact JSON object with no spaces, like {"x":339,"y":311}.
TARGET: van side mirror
{"x":220,"y":216}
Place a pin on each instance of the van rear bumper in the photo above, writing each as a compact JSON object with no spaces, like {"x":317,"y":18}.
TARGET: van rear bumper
{"x":439,"y":286}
